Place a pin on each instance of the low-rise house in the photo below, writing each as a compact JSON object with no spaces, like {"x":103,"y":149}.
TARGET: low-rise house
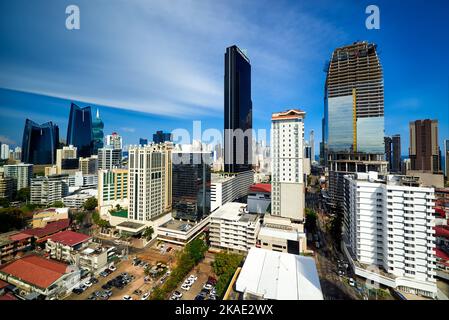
{"x":44,"y":216}
{"x":12,"y":243}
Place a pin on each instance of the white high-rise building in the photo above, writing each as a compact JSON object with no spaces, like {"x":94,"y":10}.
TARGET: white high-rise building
{"x":4,"y":151}
{"x":21,"y":173}
{"x":109,"y":158}
{"x":47,"y":190}
{"x":287,"y":136}
{"x":227,"y":187}
{"x":66,"y":159}
{"x":114,"y":140}
{"x":149,"y":176}
{"x":388,"y":231}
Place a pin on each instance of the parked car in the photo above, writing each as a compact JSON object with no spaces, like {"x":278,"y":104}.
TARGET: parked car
{"x":351,"y":282}
{"x":127,"y":297}
{"x":207,"y":286}
{"x":212,"y":281}
{"x":137,"y":292}
{"x":145,"y":296}
{"x":193,"y":277}
{"x":199,"y":297}
{"x":94,"y":280}
{"x":77,"y":291}
{"x":177,"y":294}
{"x":88,"y":284}
{"x":185,"y":287}
{"x":104,"y":274}
{"x":112,"y":268}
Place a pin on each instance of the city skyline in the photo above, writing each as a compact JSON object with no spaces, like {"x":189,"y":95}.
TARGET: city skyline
{"x":296,"y":80}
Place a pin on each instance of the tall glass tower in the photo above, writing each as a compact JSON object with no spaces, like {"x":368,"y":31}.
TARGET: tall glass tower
{"x":40,"y":142}
{"x":238,"y":106}
{"x":79,"y":130}
{"x":97,"y":133}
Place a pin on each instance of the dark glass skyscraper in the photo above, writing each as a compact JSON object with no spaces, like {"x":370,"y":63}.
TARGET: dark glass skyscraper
{"x":238,"y":108}
{"x":161,"y":137}
{"x":40,"y":142}
{"x":97,"y":133}
{"x":191,"y":179}
{"x":79,"y":130}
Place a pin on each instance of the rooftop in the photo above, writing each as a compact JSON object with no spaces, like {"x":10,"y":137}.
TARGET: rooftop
{"x":261,"y":187}
{"x":234,"y":211}
{"x":35,"y":270}
{"x":178,"y":225}
{"x":441,"y":231}
{"x":279,"y":276}
{"x":49,"y":229}
{"x":69,"y":238}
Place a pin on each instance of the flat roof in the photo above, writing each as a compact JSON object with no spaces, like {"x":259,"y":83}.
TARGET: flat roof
{"x":177,"y":225}
{"x":35,"y":270}
{"x":279,"y":276}
{"x":130,"y":225}
{"x":279,"y":233}
{"x":233,"y":211}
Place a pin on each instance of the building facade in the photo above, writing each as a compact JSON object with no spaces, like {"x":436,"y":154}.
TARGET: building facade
{"x":48,"y":190}
{"x":97,"y":133}
{"x":424,"y":151}
{"x":66,"y":159}
{"x":115,"y":141}
{"x":227,"y":187}
{"x":109,"y":158}
{"x":238,"y":108}
{"x":161,"y":137}
{"x":388,"y":231}
{"x":446,"y":157}
{"x":39,"y":142}
{"x":79,"y":130}
{"x":112,"y":189}
{"x":88,"y":165}
{"x":21,"y":174}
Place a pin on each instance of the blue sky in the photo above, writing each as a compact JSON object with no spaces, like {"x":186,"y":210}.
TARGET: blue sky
{"x":153,"y":65}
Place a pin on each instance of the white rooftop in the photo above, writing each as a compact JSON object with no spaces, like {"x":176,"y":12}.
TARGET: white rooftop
{"x":279,"y":276}
{"x":233,"y":211}
{"x":279,"y":233}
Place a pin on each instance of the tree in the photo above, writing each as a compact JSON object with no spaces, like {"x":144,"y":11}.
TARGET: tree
{"x":196,"y":249}
{"x":311,"y":218}
{"x":23,"y":195}
{"x":98,"y":221}
{"x":90,"y":204}
{"x":57,"y":204}
{"x":11,"y":219}
{"x":148,"y":233}
{"x":79,"y":217}
{"x":118,"y":207}
{"x":4,"y":203}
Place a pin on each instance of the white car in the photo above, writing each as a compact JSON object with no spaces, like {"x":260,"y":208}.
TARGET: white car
{"x":188,"y":282}
{"x":88,"y":284}
{"x":351,"y":282}
{"x":207,"y":286}
{"x":185,"y":287}
{"x":127,"y":297}
{"x":112,"y":268}
{"x":145,"y":296}
{"x":193,"y":277}
{"x":177,"y":294}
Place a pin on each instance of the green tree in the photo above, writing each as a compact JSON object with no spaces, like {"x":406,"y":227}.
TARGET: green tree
{"x":90,"y":204}
{"x":196,"y":249}
{"x":148,"y":233}
{"x":23,"y":195}
{"x":57,"y":204}
{"x":311,"y":218}
{"x":79,"y":217}
{"x":11,"y":219}
{"x":224,"y":266}
{"x":4,"y":203}
{"x":98,"y":221}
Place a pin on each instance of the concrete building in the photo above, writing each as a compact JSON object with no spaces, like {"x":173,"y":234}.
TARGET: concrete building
{"x":42,"y":217}
{"x":88,"y":165}
{"x":80,"y":180}
{"x":149,"y":178}
{"x":6,"y":186}
{"x":114,"y":140}
{"x":424,"y":150}
{"x":388,"y":231}
{"x":287,"y":190}
{"x":76,"y":201}
{"x":112,"y":190}
{"x":21,"y":174}
{"x":181,"y":232}
{"x":446,"y":157}
{"x":62,"y":245}
{"x":268,"y":275}
{"x":233,"y":228}
{"x":66,"y":159}
{"x":109,"y":158}
{"x":4,"y":154}
{"x":227,"y":187}
{"x":47,"y":190}
{"x":259,"y":198}
{"x":12,"y":244}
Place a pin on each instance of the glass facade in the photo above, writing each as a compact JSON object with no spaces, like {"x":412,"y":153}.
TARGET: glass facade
{"x":191,"y":179}
{"x":339,"y":131}
{"x":79,"y":130}
{"x":97,"y":133}
{"x":238,"y":110}
{"x":370,"y":135}
{"x":161,"y":137}
{"x":40,"y":142}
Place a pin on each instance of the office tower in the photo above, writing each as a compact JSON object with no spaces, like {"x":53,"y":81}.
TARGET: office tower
{"x":5,"y":151}
{"x":287,"y":136}
{"x":312,"y":145}
{"x":21,"y":174}
{"x":388,"y":152}
{"x":353,"y":115}
{"x":40,"y":142}
{"x":238,"y":107}
{"x":88,"y":165}
{"x":114,"y":140}
{"x":161,"y":137}
{"x":143,"y":142}
{"x":66,"y":159}
{"x":97,"y":133}
{"x":424,"y":151}
{"x":109,"y":158}
{"x":48,"y":190}
{"x":446,"y":157}
{"x":79,"y":130}
{"x":6,"y":186}
{"x":17,"y":153}
{"x":149,"y":176}
{"x":396,"y":160}
{"x":388,"y":224}
{"x":112,"y":189}
{"x":228,"y":187}
{"x":191,"y":185}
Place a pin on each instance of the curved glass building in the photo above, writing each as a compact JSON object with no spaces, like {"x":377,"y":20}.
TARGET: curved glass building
{"x":79,"y":130}
{"x":97,"y":133}
{"x":40,"y":142}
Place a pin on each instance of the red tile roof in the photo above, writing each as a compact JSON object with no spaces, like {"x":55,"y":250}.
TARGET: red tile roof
{"x":440,"y":211}
{"x":19,"y":236}
{"x":35,"y":270}
{"x":8,"y":296}
{"x":3,"y":284}
{"x":69,"y":238}
{"x":261,"y":187}
{"x":441,"y":254}
{"x":441,"y":231}
{"x":49,"y":229}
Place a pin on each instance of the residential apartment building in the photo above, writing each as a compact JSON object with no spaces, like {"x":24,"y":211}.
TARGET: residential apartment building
{"x":112,"y":189}
{"x":149,"y":178}
{"x":227,"y":187}
{"x":6,"y":186}
{"x":424,"y":151}
{"x":89,"y":165}
{"x":47,"y":190}
{"x":109,"y":158}
{"x":233,"y":228}
{"x":12,"y":243}
{"x":388,"y":231}
{"x":21,"y":174}
{"x":66,"y":159}
{"x":114,"y":140}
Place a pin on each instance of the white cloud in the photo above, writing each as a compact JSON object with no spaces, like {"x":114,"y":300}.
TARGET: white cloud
{"x":7,"y":140}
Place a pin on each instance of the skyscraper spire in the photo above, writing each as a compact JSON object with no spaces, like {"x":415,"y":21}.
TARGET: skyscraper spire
{"x":98,"y":114}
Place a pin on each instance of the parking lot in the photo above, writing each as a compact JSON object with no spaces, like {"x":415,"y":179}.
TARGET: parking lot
{"x":151,"y":256}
